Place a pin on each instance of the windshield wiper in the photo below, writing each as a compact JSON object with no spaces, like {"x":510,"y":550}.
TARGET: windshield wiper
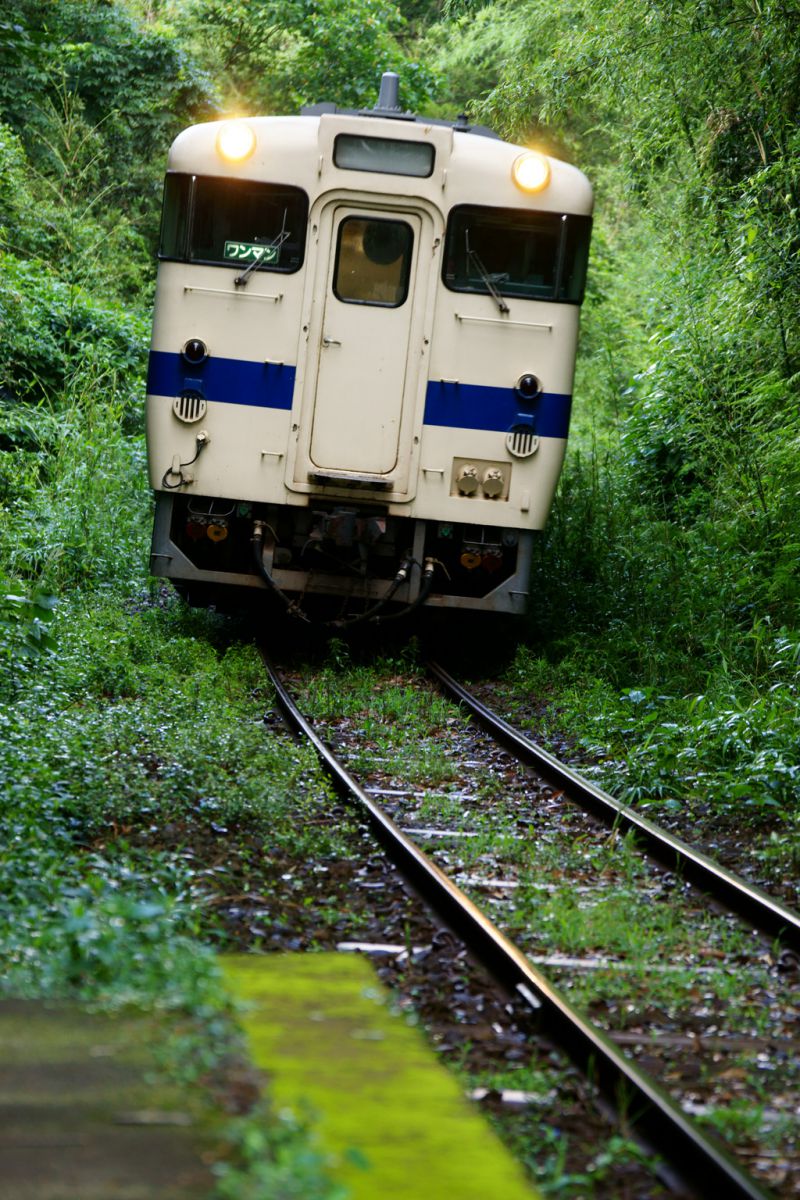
{"x":275,"y":244}
{"x":485,"y":276}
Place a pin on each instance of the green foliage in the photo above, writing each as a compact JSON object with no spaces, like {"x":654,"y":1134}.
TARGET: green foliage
{"x":746,"y":750}
{"x":132,"y":75}
{"x":332,"y":62}
{"x":17,"y":224}
{"x":733,"y":750}
{"x":24,"y":632}
{"x":275,"y":1154}
{"x":54,"y":333}
{"x":718,"y":80}
{"x":282,"y":56}
{"x":468,"y":53}
{"x":701,"y":99}
{"x":82,"y":233}
{"x":76,"y":503}
{"x":138,"y":722}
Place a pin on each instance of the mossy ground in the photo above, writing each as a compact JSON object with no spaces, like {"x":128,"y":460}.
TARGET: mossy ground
{"x":323,"y":1027}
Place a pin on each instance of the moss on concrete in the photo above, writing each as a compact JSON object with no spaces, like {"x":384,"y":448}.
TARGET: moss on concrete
{"x":322,"y":1028}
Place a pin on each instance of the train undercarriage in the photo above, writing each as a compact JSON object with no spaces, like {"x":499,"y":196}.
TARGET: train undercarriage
{"x":355,"y":554}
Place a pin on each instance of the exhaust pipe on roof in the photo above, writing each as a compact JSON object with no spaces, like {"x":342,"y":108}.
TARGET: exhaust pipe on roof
{"x":389,"y":96}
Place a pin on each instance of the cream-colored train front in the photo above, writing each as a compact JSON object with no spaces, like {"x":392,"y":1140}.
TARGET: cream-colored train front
{"x":363,"y":351}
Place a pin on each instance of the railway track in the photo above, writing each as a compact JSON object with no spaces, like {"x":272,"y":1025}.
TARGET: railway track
{"x":741,"y":897}
{"x":655,"y":1118}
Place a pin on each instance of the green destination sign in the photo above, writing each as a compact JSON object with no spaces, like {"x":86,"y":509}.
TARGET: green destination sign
{"x":251,"y":251}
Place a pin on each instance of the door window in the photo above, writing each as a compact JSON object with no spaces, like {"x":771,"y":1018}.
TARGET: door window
{"x":373,"y":261}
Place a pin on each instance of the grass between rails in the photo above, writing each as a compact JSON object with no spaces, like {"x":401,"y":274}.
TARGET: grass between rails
{"x":394,"y":717}
{"x":626,"y":914}
{"x":398,"y":719}
{"x":407,"y":732}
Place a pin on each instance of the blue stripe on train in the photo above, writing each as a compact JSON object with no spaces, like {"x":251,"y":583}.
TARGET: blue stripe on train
{"x":270,"y":385}
{"x":472,"y":406}
{"x":225,"y":380}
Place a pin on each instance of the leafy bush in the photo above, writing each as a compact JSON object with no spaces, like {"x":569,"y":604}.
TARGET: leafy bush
{"x":276,"y":1154}
{"x":132,"y":74}
{"x":53,"y":332}
{"x":24,"y":634}
{"x":733,"y":750}
{"x":84,"y":503}
{"x":17,"y":221}
{"x":317,"y":50}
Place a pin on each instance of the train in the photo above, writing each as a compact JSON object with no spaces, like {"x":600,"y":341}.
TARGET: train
{"x":360,"y":380}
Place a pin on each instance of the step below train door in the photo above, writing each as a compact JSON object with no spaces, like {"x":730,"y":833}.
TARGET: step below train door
{"x":363,"y":366}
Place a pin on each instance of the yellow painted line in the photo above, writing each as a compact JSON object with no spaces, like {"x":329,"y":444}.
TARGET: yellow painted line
{"x":322,"y":1029}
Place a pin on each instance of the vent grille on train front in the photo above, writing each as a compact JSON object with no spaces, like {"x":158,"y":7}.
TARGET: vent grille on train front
{"x":521,"y":441}
{"x":189,"y":407}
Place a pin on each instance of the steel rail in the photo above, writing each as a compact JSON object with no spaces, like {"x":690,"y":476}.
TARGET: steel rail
{"x":702,"y":1164}
{"x":741,"y":897}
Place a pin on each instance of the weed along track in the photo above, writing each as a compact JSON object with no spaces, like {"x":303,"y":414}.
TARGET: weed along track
{"x":672,"y":1010}
{"x":741,"y":897}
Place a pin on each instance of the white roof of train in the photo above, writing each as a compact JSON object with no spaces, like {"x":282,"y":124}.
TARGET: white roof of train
{"x":298,"y":150}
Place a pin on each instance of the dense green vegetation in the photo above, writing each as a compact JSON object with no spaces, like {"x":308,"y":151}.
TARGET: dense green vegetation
{"x":666,"y":625}
{"x":668,"y":576}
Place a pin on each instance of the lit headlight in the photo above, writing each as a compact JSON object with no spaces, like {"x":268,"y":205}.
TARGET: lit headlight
{"x":531,"y":171}
{"x":236,"y":141}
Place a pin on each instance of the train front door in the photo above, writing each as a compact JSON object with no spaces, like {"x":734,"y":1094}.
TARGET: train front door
{"x":363,"y":376}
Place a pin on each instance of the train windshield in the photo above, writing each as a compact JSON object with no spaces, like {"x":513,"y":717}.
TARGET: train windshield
{"x":233,"y":222}
{"x":531,"y":255}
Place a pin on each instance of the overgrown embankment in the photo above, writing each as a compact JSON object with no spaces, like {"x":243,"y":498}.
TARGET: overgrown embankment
{"x":665,"y":630}
{"x":666,"y":620}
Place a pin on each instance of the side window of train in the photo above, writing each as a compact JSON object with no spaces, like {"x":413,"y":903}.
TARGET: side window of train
{"x":530,"y":255}
{"x":373,"y":261}
{"x":175,"y":216}
{"x":233,"y":222}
